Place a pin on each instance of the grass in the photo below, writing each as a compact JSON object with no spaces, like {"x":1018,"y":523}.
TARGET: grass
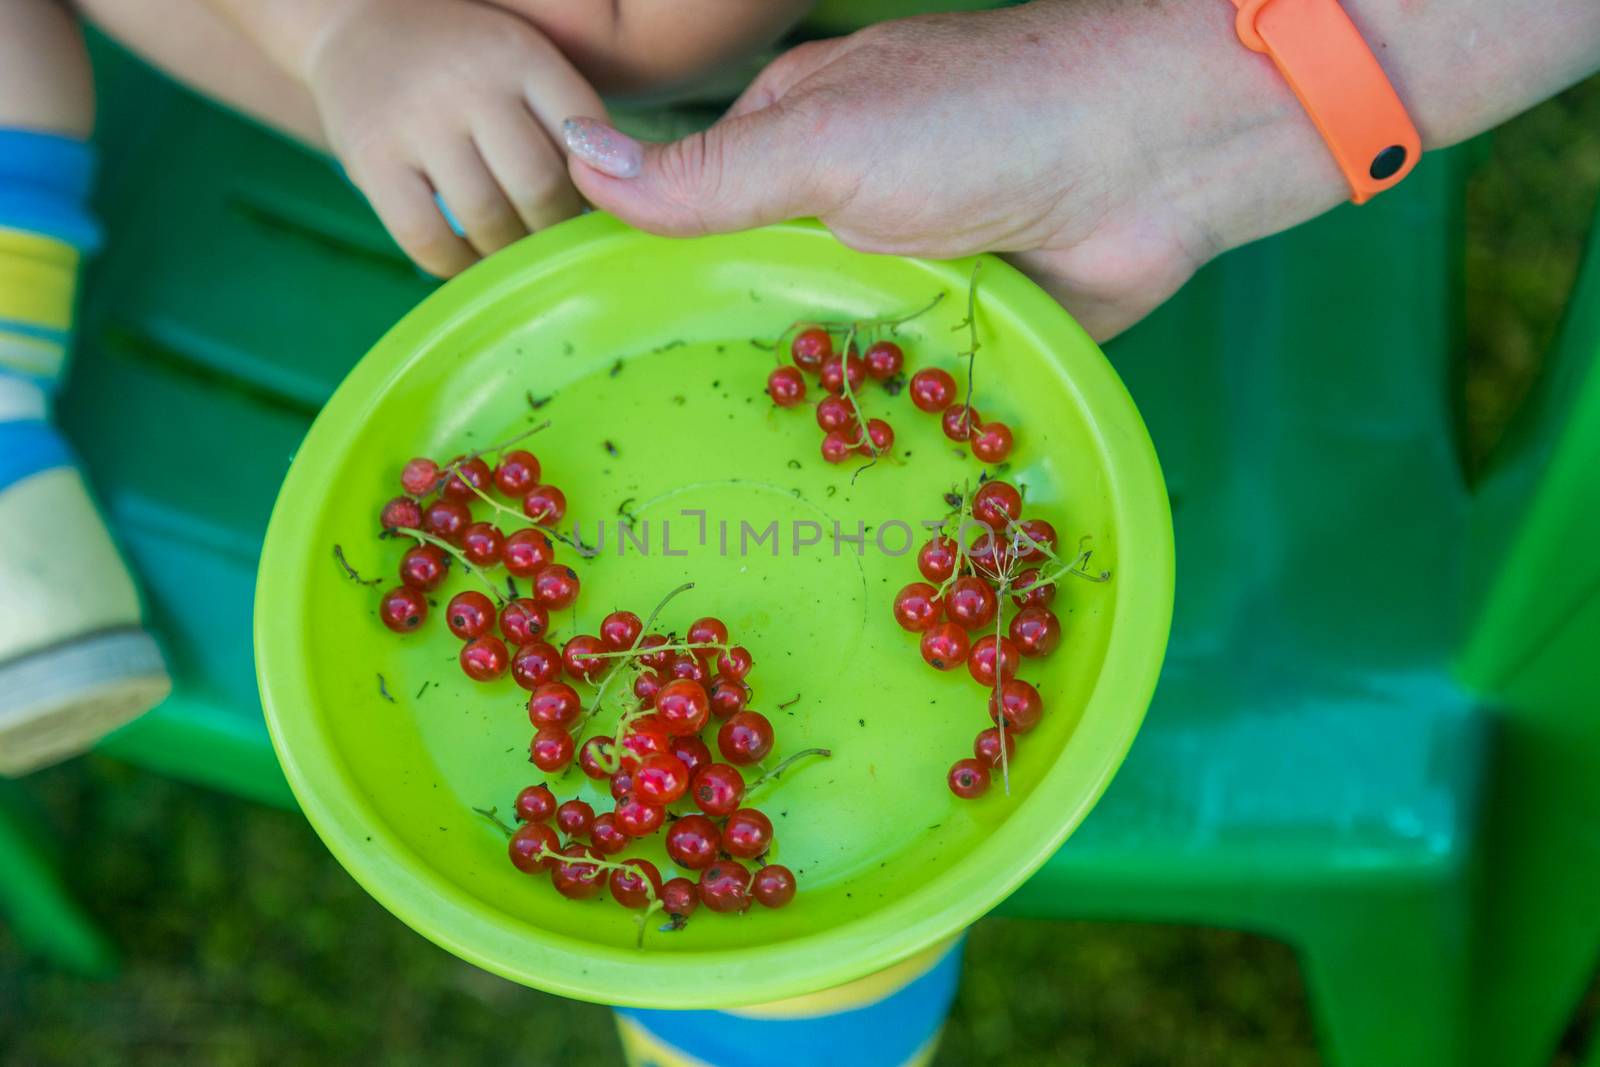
{"x":245,"y":943}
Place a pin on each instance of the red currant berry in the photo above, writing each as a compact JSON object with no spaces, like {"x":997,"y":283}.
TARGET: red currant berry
{"x":881,"y":434}
{"x":932,"y":390}
{"x":692,"y":842}
{"x":725,"y":886}
{"x":469,"y":614}
{"x":401,"y":511}
{"x":833,"y":373}
{"x":734,"y":663}
{"x":535,"y":804}
{"x":606,"y":838}
{"x":836,"y":447}
{"x":403,"y":609}
{"x":593,"y":757}
{"x":884,"y":359}
{"x":555,"y":586}
{"x":811,"y":348}
{"x":834,"y":413}
{"x":639,"y":744}
{"x":482,"y":544}
{"x":986,"y":747}
{"x":636,"y":888}
{"x":516,"y":473}
{"x":619,"y":630}
{"x":971,"y":603}
{"x":992,"y":442}
{"x":679,"y":897}
{"x":469,"y":474}
{"x":423,"y":567}
{"x":1036,"y":632}
{"x":969,"y":778}
{"x":621,"y":785}
{"x":530,"y":846}
{"x":551,"y":750}
{"x":661,"y":779}
{"x":693,"y":752}
{"x":447,"y":520}
{"x":575,"y":818}
{"x":656,"y":661}
{"x":637,"y":817}
{"x":1022,"y":704}
{"x":688,"y":668}
{"x":554,"y":704}
{"x":544,"y":504}
{"x":945,"y":646}
{"x":937,"y":559}
{"x":727,"y":697}
{"x":578,"y":656}
{"x":523,"y":621}
{"x":419,"y":476}
{"x":534,"y":664}
{"x":997,"y":504}
{"x":960,"y":422}
{"x":747,"y":835}
{"x":718,"y":789}
{"x":786,"y":386}
{"x":1035,"y":538}
{"x":577,"y":880}
{"x":684,"y":706}
{"x":646,"y":684}
{"x":526,"y":552}
{"x":917,"y":607}
{"x":709,"y":630}
{"x":1026,"y":594}
{"x":745,"y":738}
{"x":773,"y":886}
{"x":992,"y":554}
{"x":485,"y":658}
{"x":981,"y":662}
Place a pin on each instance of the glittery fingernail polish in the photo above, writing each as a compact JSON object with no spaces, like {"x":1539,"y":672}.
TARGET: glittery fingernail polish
{"x":603,"y":147}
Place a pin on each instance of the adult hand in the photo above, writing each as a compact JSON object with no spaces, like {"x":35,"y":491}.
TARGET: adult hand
{"x":1109,"y":151}
{"x":1111,"y":148}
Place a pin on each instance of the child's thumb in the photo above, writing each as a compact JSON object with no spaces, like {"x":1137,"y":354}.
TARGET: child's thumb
{"x":740,"y":173}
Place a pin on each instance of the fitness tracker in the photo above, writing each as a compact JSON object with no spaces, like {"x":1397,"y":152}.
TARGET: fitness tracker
{"x":1337,"y":79}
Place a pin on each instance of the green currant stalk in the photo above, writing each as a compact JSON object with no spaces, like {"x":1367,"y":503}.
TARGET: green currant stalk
{"x":456,"y":553}
{"x":776,"y":772}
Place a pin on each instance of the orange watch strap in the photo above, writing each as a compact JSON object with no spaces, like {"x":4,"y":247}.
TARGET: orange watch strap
{"x":1338,"y":81}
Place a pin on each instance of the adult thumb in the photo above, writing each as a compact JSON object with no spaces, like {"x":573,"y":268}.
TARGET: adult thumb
{"x":747,"y":170}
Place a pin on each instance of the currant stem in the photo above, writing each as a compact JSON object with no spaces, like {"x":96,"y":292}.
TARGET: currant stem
{"x":456,"y":553}
{"x":833,"y":326}
{"x":781,"y":767}
{"x":455,"y":467}
{"x":605,"y":683}
{"x":493,"y":816}
{"x":971,"y":324}
{"x":999,"y":702}
{"x":573,"y":543}
{"x":682,"y":646}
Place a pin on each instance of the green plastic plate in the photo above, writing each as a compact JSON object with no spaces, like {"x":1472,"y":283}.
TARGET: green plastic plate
{"x":657,"y":410}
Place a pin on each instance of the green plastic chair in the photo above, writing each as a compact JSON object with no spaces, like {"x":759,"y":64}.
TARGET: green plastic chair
{"x":1374,"y":736}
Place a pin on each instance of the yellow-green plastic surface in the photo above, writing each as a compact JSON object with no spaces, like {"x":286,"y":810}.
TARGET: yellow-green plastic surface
{"x":658,"y":411}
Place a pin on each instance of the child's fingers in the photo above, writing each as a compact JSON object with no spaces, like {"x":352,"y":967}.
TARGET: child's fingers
{"x":471,"y":194}
{"x":530,"y":171}
{"x":403,"y":200}
{"x":554,"y":90}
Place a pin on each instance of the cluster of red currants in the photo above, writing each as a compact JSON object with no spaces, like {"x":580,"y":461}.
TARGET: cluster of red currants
{"x":435,"y":511}
{"x":657,"y":759}
{"x":845,"y":429}
{"x":934,"y":391}
{"x":966,"y":588}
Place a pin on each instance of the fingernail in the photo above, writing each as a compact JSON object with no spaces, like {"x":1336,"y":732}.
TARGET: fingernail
{"x":603,"y":147}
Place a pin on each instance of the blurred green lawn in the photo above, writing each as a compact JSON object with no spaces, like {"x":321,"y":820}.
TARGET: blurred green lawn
{"x":246,"y":943}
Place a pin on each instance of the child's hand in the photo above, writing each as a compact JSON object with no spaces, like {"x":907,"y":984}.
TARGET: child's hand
{"x":454,"y":97}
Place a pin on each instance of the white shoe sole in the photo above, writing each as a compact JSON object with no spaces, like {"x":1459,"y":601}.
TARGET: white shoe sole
{"x":58,"y":701}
